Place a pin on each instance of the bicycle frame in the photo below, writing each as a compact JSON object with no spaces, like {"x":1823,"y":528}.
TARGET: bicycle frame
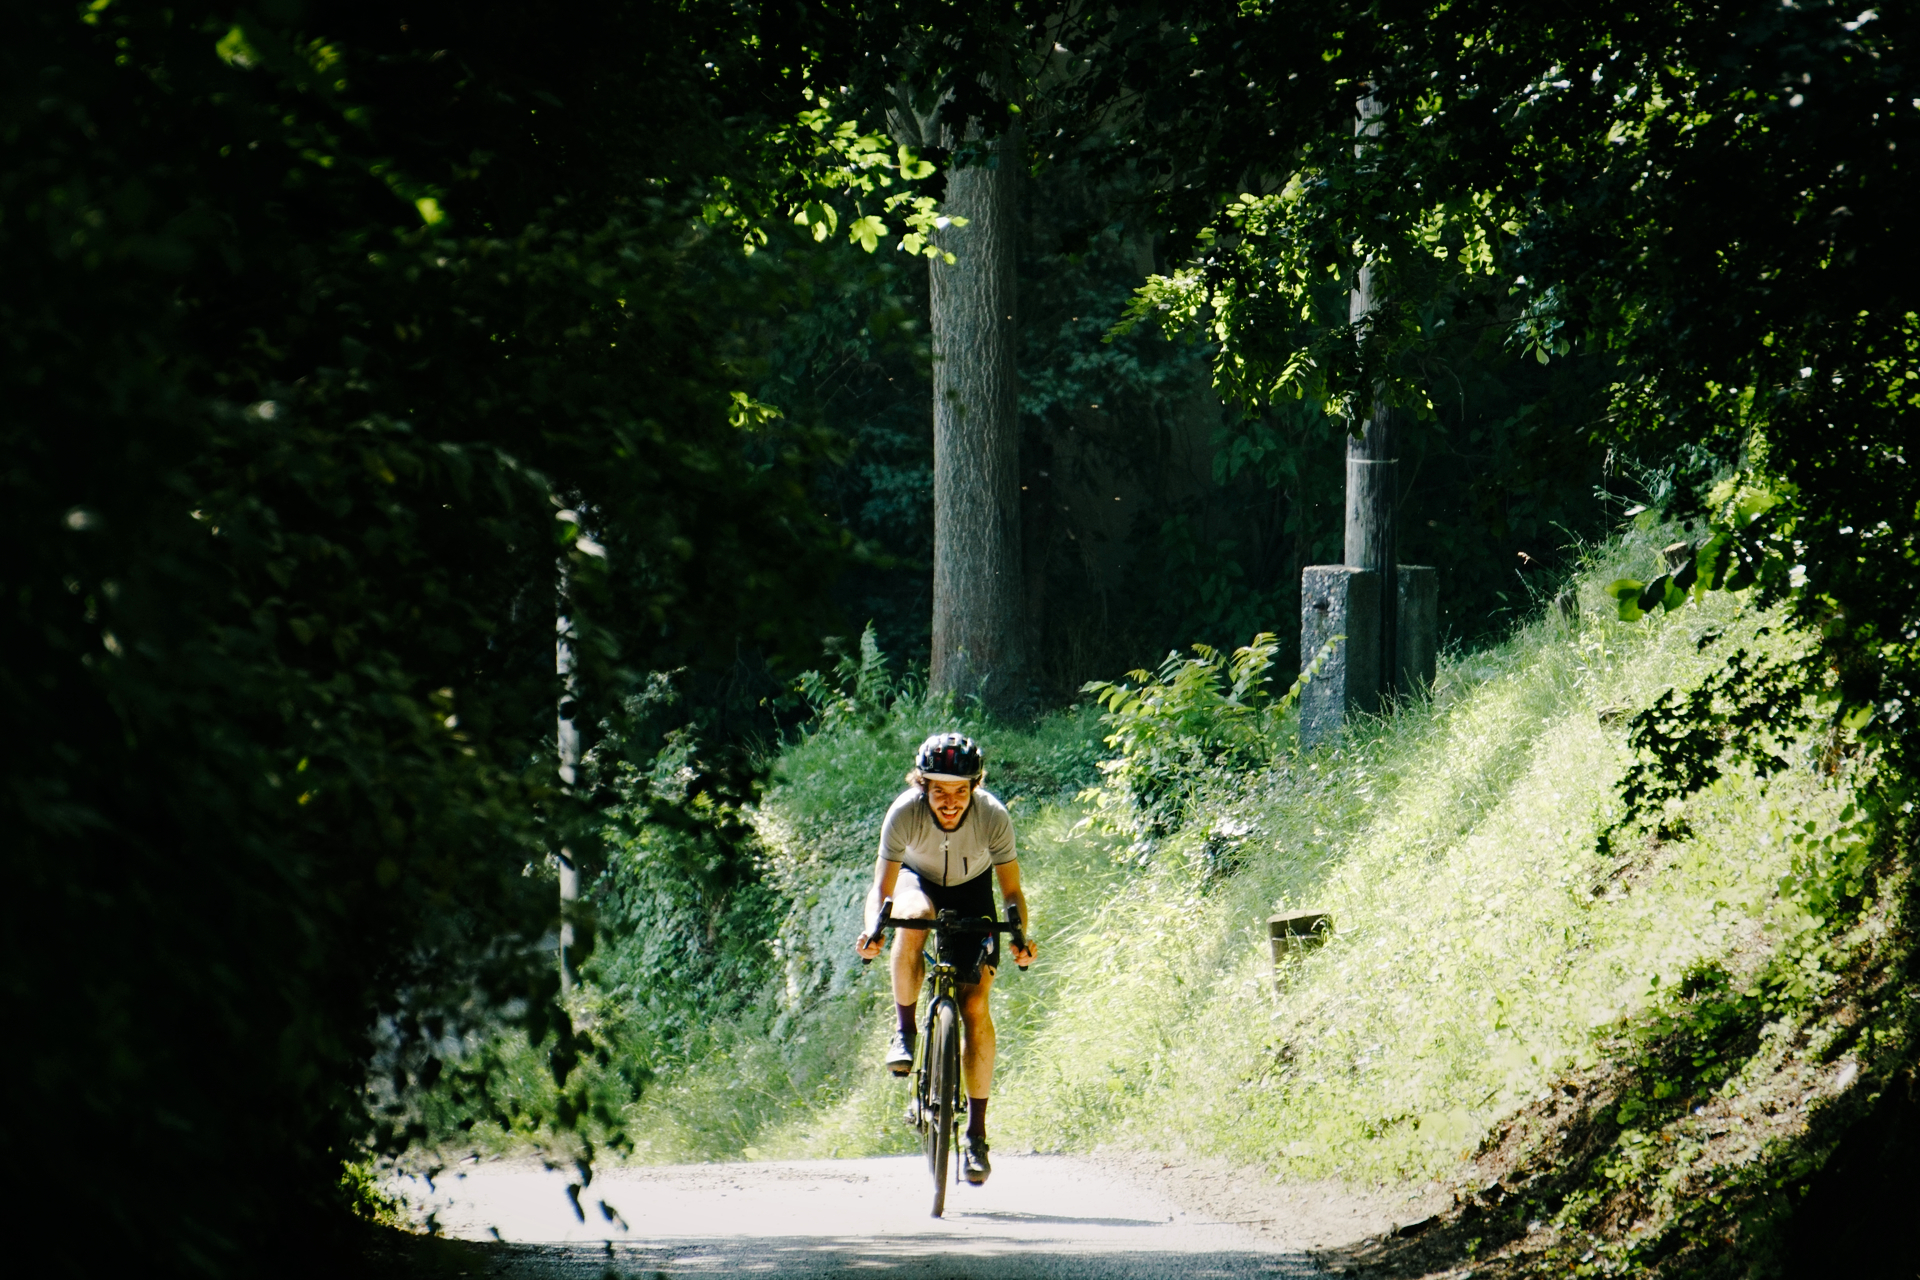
{"x":937,"y":1117}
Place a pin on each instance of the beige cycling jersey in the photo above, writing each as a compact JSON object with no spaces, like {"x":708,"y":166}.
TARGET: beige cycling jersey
{"x":983,"y":839}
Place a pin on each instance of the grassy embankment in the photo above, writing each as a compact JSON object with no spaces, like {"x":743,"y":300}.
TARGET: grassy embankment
{"x":1484,"y":946}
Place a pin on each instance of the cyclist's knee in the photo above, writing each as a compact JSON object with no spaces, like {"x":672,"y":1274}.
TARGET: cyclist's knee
{"x":912,"y":904}
{"x":974,"y":1003}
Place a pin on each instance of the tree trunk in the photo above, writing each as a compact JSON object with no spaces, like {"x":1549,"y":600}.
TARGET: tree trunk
{"x":979,"y":635}
{"x":1036,"y":541}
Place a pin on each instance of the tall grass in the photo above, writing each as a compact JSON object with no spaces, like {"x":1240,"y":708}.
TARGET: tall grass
{"x":1482,"y":942}
{"x":802,"y":1052}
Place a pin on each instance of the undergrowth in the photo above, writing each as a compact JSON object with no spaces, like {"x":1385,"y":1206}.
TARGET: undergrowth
{"x":1503,"y":924}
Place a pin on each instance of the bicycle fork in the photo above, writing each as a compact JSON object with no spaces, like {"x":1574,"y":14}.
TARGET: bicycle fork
{"x":921,"y":1105}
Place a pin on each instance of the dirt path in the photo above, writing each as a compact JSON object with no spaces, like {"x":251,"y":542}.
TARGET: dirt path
{"x":1041,"y":1216}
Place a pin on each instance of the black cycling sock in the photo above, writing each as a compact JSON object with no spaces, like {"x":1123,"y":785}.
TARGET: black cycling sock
{"x":976,"y":1117}
{"x":906,"y":1019}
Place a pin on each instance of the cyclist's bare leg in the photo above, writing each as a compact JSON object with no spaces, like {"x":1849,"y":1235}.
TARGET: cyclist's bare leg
{"x":977,"y":1048}
{"x":909,"y":945}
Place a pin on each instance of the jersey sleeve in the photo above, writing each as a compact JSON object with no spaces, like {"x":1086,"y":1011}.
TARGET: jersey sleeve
{"x":999,"y":835}
{"x":895,"y":830}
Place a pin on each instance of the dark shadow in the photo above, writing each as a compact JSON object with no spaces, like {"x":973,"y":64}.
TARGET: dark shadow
{"x":821,"y":1258}
{"x":1857,"y":1216}
{"x":1071,"y":1222}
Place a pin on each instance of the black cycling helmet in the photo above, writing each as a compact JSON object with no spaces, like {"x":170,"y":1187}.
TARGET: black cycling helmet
{"x":949,"y":757}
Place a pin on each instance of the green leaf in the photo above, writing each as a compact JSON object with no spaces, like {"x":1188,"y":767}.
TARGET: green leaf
{"x":234,"y":50}
{"x":1712,"y":561}
{"x":866,"y":232}
{"x":912,"y":167}
{"x":1626,"y":592}
{"x":818,"y":218}
{"x":1688,"y":575}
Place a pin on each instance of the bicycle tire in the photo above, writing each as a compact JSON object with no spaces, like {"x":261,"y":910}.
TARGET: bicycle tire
{"x":943,"y":1062}
{"x":928,"y":1090}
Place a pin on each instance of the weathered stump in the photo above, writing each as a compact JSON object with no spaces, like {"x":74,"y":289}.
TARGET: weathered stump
{"x":1296,"y":933}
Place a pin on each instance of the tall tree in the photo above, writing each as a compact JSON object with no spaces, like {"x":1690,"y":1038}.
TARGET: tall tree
{"x":979,"y":627}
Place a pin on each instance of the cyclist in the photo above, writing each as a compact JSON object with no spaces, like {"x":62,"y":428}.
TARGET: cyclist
{"x":937,"y":841}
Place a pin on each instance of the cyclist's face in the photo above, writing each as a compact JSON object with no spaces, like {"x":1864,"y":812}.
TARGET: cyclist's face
{"x":949,"y":801}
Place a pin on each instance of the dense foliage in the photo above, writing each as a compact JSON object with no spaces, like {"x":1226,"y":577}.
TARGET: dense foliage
{"x":1701,"y":198}
{"x":338,"y":339}
{"x":1152,"y":513}
{"x":349,"y":349}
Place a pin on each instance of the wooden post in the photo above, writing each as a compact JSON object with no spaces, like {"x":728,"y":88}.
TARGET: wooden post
{"x":1296,"y":933}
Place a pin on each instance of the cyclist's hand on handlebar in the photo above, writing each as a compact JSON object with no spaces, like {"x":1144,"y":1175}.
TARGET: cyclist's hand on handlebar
{"x":1023,"y":956}
{"x":867,"y":945}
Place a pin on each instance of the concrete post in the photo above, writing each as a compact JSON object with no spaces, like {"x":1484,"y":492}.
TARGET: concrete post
{"x":1337,"y":600}
{"x":1372,"y":535}
{"x":1417,"y":629}
{"x":1389,"y":612}
{"x":1373,"y":467}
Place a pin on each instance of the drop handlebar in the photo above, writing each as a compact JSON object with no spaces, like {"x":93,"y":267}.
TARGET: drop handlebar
{"x":954,"y":922}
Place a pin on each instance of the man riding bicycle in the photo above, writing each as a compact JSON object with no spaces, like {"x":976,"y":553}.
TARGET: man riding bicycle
{"x":937,"y":841}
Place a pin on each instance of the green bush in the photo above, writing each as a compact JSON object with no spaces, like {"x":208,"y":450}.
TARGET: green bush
{"x":1484,"y":939}
{"x":1193,"y":717}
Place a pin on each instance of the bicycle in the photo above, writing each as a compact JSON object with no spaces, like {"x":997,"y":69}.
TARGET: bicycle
{"x":935,"y":1107}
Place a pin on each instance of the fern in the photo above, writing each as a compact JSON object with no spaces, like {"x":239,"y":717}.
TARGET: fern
{"x":861,"y":691}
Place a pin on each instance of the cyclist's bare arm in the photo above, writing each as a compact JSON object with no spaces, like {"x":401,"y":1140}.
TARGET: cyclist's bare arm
{"x":886,"y":873}
{"x":1014,"y":896}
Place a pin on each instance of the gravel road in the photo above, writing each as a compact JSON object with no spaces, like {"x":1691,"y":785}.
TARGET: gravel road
{"x":1051,"y":1217}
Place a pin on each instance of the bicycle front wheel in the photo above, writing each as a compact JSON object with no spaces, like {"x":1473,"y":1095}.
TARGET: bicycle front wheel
{"x":943,"y":1070}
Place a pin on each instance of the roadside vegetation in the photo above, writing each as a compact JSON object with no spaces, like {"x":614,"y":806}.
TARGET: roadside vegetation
{"x":1508,"y":940}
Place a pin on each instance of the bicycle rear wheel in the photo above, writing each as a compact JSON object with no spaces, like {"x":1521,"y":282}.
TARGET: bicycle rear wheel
{"x":943,"y":1068}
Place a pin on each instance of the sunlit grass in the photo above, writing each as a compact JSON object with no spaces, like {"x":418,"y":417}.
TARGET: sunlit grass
{"x":1482,"y":938}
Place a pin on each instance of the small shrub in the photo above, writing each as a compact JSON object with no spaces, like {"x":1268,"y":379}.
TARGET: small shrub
{"x":1194,"y":716}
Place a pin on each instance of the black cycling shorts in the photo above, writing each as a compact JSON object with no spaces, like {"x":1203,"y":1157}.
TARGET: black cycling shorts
{"x":974,"y":898}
